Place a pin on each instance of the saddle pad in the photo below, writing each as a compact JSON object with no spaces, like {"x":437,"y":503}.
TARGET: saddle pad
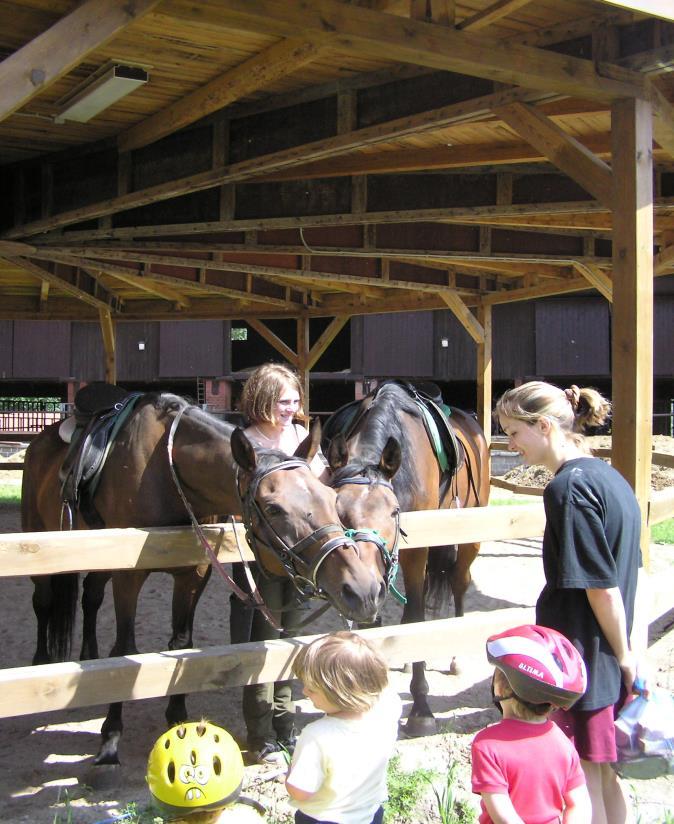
{"x":67,"y":429}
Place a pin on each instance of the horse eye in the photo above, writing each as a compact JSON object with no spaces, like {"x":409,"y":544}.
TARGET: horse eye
{"x":273,"y":509}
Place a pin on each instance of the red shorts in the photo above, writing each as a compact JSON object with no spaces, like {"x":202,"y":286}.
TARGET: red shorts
{"x":592,"y":732}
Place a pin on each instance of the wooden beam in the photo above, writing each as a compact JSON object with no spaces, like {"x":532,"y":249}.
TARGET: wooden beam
{"x":497,"y":10}
{"x":257,"y":72}
{"x":663,"y":118}
{"x":655,"y":8}
{"x":135,"y":276}
{"x":302,"y":337}
{"x":484,"y":371}
{"x":369,"y":33}
{"x":108,"y":334}
{"x":564,"y":151}
{"x":561,"y":287}
{"x":273,"y":340}
{"x":52,"y":54}
{"x":463,"y":315}
{"x":327,"y":336}
{"x":597,"y":278}
{"x":466,"y":111}
{"x":143,"y":282}
{"x":41,"y":272}
{"x":26,"y":690}
{"x":632,"y":316}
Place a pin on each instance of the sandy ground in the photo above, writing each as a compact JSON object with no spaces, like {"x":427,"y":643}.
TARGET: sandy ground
{"x":43,"y":756}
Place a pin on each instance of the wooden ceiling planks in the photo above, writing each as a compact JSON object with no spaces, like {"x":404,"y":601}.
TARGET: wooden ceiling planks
{"x":408,"y":161}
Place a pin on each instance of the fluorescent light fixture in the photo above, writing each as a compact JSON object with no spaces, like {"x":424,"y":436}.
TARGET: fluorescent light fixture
{"x":99,"y":92}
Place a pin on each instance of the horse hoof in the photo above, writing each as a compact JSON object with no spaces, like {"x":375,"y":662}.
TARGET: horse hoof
{"x":418,"y":726}
{"x":107,"y":758}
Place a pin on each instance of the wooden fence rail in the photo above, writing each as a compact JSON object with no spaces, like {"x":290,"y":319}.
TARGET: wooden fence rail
{"x":25,"y":690}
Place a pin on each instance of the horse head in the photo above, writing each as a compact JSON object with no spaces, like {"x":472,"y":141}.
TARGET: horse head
{"x":294,"y":530}
{"x":366,"y":502}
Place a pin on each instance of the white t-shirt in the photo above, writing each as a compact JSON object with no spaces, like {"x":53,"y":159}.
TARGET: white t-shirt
{"x":343,"y":761}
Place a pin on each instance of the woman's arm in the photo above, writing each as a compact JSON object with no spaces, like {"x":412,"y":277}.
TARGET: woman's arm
{"x":578,"y":806}
{"x":500,"y":808}
{"x":609,"y":610}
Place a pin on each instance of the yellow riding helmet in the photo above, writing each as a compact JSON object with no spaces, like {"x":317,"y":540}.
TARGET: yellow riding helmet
{"x":194,"y":766}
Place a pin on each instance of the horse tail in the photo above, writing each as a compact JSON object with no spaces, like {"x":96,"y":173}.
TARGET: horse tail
{"x":439,"y":569}
{"x":61,"y":620}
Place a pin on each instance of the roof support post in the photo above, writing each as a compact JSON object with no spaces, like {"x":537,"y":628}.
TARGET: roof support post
{"x":108,"y":335}
{"x":303,"y":348}
{"x":484,"y":371}
{"x":632,"y":325}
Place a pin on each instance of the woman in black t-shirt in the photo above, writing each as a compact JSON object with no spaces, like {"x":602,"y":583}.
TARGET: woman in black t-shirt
{"x":591,"y":559}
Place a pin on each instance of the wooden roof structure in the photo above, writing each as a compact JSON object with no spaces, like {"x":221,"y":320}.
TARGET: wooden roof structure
{"x":306,"y":158}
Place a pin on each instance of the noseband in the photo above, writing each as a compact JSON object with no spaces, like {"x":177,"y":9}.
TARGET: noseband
{"x":302,"y":573}
{"x":389,"y":558}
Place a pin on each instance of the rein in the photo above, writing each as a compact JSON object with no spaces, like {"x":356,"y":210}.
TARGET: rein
{"x":303,"y":575}
{"x":390,"y":559}
{"x":253,"y":599}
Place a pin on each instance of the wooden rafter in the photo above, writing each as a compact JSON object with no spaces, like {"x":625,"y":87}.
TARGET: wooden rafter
{"x":656,"y":8}
{"x":463,"y":315}
{"x":255,"y":73}
{"x":663,"y":118}
{"x":365,"y":32}
{"x":466,"y":111}
{"x":564,"y":151}
{"x":273,"y":340}
{"x":51,"y":55}
{"x":101,"y":300}
{"x":327,"y":336}
{"x":497,"y":10}
{"x":108,"y":335}
{"x":597,"y":278}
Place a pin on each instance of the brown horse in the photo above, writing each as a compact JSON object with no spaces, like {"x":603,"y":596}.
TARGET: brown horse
{"x":389,"y":451}
{"x":137,"y":489}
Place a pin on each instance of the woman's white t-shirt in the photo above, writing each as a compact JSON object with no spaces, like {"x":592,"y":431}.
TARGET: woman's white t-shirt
{"x":343,"y":761}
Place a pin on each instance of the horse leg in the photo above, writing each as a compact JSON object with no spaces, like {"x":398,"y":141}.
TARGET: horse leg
{"x":188,"y":584}
{"x":420,"y":720}
{"x":42,"y":601}
{"x":93,"y":589}
{"x":126,"y":587}
{"x":460,"y":577}
{"x":54,"y":604}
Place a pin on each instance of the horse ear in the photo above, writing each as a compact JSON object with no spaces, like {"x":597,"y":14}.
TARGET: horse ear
{"x":242,"y":450}
{"x":338,"y":452}
{"x":311,"y":444}
{"x":391,"y":457}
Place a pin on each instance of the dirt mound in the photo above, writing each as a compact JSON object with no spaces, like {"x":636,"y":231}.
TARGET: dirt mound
{"x":536,"y":476}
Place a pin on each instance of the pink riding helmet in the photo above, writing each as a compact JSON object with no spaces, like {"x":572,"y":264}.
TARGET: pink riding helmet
{"x":541,"y":665}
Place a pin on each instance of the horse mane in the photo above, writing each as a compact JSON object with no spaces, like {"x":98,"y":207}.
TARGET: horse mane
{"x":382,"y":421}
{"x":166,"y":402}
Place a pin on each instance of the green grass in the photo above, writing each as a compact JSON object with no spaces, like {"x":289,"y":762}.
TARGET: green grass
{"x":450,"y":808}
{"x":405,"y":791}
{"x":10,"y":493}
{"x":663,"y":533}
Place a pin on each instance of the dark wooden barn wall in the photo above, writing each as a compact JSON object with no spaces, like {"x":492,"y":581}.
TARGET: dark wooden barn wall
{"x":194,"y":348}
{"x":6,"y":332}
{"x":513,"y":341}
{"x":572,"y":337}
{"x":41,"y":349}
{"x":88,"y":356}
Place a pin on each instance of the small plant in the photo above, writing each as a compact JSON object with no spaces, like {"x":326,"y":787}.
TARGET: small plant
{"x":450,"y":808}
{"x":405,"y":790}
{"x":67,"y":816}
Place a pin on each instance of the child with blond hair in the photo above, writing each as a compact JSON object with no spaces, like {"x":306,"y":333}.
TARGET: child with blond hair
{"x":338,"y":770}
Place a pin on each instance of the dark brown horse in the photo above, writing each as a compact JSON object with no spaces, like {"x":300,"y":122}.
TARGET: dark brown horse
{"x":136,"y":489}
{"x":387,"y":451}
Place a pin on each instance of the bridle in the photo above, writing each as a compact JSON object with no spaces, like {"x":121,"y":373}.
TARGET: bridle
{"x":389,"y":557}
{"x":302,"y":573}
